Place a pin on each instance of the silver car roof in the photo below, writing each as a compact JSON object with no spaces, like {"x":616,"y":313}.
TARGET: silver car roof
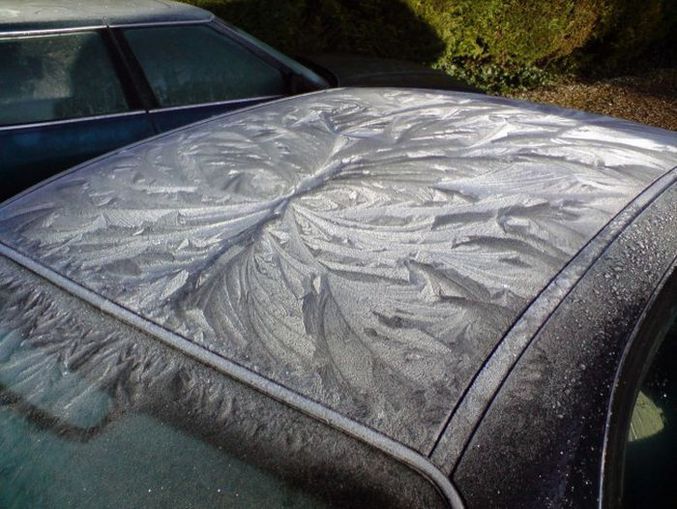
{"x":31,"y":15}
{"x":366,"y":249}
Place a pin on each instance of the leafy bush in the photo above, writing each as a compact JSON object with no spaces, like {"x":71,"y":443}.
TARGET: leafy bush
{"x":633,"y":33}
{"x":495,"y":44}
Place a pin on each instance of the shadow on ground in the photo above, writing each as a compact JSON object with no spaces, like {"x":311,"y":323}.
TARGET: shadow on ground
{"x":384,"y":28}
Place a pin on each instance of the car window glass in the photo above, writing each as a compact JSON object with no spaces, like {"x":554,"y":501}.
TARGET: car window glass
{"x":57,"y":77}
{"x":650,"y":466}
{"x":195,"y":64}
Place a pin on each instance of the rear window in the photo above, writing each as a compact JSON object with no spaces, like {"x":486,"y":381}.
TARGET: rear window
{"x":77,"y":431}
{"x":57,"y":77}
{"x":94,"y":413}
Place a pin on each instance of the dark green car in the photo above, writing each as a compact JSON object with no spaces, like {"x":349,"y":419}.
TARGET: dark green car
{"x":78,"y":80}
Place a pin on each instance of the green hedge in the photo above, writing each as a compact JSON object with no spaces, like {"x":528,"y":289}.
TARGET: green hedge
{"x":493,"y":43}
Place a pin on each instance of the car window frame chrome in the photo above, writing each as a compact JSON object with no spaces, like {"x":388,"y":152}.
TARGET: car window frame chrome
{"x":234,"y":33}
{"x":50,"y":31}
{"x":146,"y":24}
{"x":226,"y":102}
{"x":74,"y":120}
{"x":223,"y":28}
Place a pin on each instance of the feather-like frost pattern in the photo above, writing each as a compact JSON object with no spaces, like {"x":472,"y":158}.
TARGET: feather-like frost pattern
{"x":365,"y":248}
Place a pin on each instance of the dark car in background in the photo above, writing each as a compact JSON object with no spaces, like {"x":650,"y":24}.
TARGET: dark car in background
{"x":81,"y":78}
{"x":78,"y":79}
{"x":353,"y":298}
{"x":347,"y":70}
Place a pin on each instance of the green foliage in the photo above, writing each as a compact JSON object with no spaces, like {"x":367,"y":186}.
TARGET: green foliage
{"x":495,"y":44}
{"x":495,"y":78}
{"x":385,"y":28}
{"x":632,"y":33}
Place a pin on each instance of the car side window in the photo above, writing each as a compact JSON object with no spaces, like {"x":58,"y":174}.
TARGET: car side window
{"x":195,"y":64}
{"x":56,"y":77}
{"x":650,"y":467}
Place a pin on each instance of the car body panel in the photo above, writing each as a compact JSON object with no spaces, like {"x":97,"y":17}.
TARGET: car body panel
{"x":166,"y":119}
{"x":566,"y":376}
{"x":365,"y":248}
{"x":30,"y":154}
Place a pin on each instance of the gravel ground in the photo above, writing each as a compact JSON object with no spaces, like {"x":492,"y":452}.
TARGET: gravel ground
{"x":649,"y":99}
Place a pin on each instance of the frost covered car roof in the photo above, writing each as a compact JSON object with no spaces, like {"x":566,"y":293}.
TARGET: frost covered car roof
{"x":366,"y":249}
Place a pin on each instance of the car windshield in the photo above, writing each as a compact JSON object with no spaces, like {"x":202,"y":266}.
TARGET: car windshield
{"x":135,"y":461}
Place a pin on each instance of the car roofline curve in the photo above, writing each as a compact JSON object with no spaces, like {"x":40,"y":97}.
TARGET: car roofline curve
{"x":21,"y":16}
{"x":104,"y":24}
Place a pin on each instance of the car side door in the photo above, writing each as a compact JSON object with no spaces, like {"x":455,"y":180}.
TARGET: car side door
{"x":62,"y":101}
{"x":192,"y":72}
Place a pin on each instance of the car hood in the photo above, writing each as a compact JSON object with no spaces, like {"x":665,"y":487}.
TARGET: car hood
{"x":363,"y":248}
{"x":353,"y":70}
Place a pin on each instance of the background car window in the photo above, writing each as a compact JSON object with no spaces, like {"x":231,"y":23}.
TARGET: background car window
{"x":195,"y":64}
{"x":57,"y":77}
{"x":650,"y":466}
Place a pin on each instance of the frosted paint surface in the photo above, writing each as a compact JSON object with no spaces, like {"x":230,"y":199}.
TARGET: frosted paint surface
{"x":365,"y":248}
{"x":95,"y":408}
